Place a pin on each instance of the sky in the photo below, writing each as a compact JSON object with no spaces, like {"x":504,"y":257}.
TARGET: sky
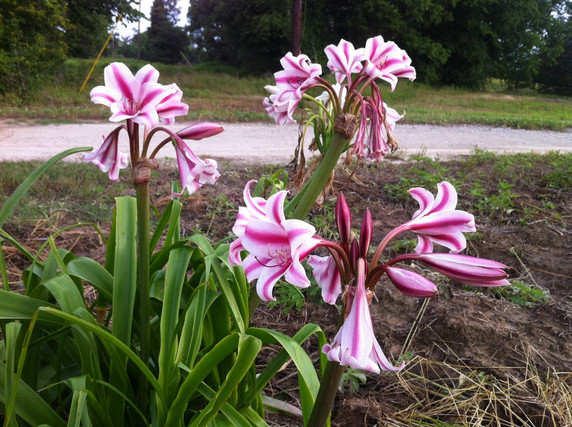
{"x":131,"y":29}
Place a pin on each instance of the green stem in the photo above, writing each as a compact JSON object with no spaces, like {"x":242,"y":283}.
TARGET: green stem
{"x":319,"y":179}
{"x":143,"y":221}
{"x":326,"y":395}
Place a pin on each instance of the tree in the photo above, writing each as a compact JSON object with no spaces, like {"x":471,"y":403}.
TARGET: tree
{"x":31,"y":42}
{"x":165,"y":42}
{"x":89,"y":22}
{"x":249,"y":34}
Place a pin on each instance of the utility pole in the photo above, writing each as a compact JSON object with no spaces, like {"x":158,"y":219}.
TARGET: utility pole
{"x":297,"y":27}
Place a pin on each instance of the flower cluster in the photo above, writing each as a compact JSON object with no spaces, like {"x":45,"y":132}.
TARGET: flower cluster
{"x":355,"y":71}
{"x":277,"y":246}
{"x":140,"y":100}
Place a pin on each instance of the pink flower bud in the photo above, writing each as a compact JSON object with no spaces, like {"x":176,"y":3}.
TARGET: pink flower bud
{"x":411,"y":284}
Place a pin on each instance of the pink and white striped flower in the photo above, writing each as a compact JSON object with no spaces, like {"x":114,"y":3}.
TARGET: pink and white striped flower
{"x":466,"y":269}
{"x":437,"y":220}
{"x":193,"y":171}
{"x":108,"y":157}
{"x":137,"y":97}
{"x":344,"y":60}
{"x":355,"y":344}
{"x":410,"y":283}
{"x":327,"y":277}
{"x":171,"y":106}
{"x":276,"y":246}
{"x":298,"y":74}
{"x":386,"y":61}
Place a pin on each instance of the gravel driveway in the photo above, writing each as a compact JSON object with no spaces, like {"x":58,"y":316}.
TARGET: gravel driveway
{"x":270,"y":143}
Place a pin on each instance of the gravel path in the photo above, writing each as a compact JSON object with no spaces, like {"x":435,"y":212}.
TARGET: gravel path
{"x":269,"y":143}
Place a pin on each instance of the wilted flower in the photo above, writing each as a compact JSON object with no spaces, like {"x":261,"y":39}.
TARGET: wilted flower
{"x":108,"y":157}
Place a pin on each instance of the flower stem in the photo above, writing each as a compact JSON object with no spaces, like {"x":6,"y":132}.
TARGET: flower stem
{"x":322,"y":174}
{"x":142,"y":194}
{"x":326,"y":395}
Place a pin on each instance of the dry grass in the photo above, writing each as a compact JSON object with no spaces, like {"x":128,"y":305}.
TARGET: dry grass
{"x":455,"y":394}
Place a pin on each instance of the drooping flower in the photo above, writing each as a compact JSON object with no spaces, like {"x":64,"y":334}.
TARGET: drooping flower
{"x":466,"y":269}
{"x":344,"y":60}
{"x":355,"y":344}
{"x":327,"y":277}
{"x":276,"y":246}
{"x":386,"y":61}
{"x":108,"y":157}
{"x":136,"y":97}
{"x":193,"y":171}
{"x":280,"y":105}
{"x":437,"y":220}
{"x":410,"y":283}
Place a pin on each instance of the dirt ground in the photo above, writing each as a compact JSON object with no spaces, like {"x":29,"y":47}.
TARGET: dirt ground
{"x":464,"y":335}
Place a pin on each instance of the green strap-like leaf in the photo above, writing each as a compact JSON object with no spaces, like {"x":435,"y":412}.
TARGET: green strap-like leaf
{"x":248,"y":349}
{"x":125,"y":272}
{"x":174,"y":280}
{"x":29,"y":405}
{"x":9,"y":205}
{"x":235,"y":301}
{"x":208,"y":363}
{"x":307,"y":377}
{"x":112,"y":341}
{"x":93,"y":273}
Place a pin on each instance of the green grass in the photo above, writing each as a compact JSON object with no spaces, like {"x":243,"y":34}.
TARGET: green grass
{"x":221,"y":94}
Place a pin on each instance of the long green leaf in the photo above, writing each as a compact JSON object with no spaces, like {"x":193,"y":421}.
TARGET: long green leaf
{"x":10,"y":204}
{"x":174,"y":280}
{"x":236,"y":304}
{"x":307,"y":377}
{"x":65,"y":291}
{"x":112,"y":341}
{"x":125,"y":274}
{"x":12,"y":331}
{"x":208,"y":362}
{"x":29,"y":405}
{"x":93,"y":273}
{"x":14,"y":306}
{"x":191,"y":333}
{"x":248,"y":348}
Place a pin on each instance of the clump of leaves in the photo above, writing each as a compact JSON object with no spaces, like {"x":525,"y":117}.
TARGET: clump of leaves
{"x":351,"y":380}
{"x":521,"y":294}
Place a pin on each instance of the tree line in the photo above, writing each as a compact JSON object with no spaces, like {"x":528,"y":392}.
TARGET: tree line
{"x":451,"y":42}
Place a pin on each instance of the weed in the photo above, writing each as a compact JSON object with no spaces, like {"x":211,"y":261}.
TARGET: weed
{"x":288,"y":297}
{"x":351,"y":380}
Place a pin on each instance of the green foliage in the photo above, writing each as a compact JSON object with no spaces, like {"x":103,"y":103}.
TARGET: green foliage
{"x":88,"y":370}
{"x":351,"y":380}
{"x":424,"y":172}
{"x":251,"y":36}
{"x":31,"y":42}
{"x":519,"y":293}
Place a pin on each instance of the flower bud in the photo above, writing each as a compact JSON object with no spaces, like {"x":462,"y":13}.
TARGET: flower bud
{"x":200,"y":131}
{"x":343,"y":220}
{"x":365,"y":234}
{"x":410,"y":283}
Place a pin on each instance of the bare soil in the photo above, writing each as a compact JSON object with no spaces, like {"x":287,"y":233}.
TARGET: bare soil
{"x":463,"y":333}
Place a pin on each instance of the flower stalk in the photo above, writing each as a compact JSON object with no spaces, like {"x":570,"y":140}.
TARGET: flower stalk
{"x":311,"y":191}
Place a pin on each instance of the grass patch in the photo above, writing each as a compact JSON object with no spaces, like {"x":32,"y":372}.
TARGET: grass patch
{"x":222,"y":94}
